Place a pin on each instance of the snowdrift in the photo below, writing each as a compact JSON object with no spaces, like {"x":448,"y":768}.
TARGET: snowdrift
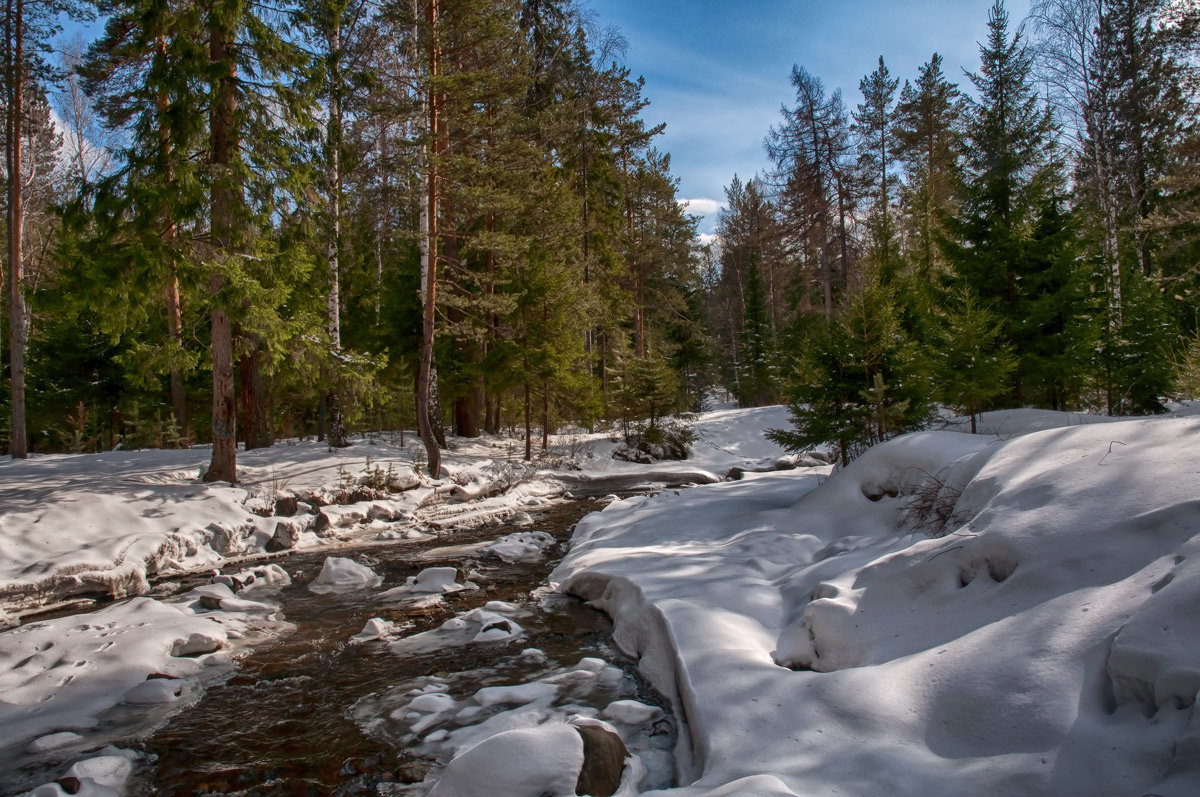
{"x":822,"y":635}
{"x":108,"y":523}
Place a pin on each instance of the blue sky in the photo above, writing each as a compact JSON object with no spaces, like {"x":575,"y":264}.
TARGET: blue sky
{"x":717,"y":71}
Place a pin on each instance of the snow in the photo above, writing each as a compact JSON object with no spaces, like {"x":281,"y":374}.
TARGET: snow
{"x":814,"y":639}
{"x":340,"y":574}
{"x":525,"y":546}
{"x":1009,"y":612}
{"x":550,"y":757}
{"x":490,"y":733}
{"x":59,"y":677}
{"x":632,"y":712}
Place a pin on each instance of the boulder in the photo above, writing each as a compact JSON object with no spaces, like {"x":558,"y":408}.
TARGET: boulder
{"x":604,"y":757}
{"x":287,"y":534}
{"x":286,"y":505}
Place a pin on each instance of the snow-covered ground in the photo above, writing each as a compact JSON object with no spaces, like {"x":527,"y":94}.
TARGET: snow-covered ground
{"x":821,"y":638}
{"x":78,"y":526}
{"x":1002,"y":613}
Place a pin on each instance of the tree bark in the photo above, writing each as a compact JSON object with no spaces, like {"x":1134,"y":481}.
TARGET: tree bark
{"x":333,"y":402}
{"x":545,"y":416}
{"x":18,"y":319}
{"x":174,"y":313}
{"x":429,"y":255}
{"x":256,"y":424}
{"x":223,"y":144}
{"x":528,"y":426}
{"x":175,"y":332}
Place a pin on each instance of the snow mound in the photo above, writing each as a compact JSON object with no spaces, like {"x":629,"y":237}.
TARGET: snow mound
{"x":550,"y":755}
{"x":525,"y":546}
{"x":429,"y":583}
{"x":1043,"y":639}
{"x":104,"y":775}
{"x":376,"y":628}
{"x":59,"y":675}
{"x":340,"y":574}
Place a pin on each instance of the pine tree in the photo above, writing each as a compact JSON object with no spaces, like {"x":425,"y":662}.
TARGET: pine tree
{"x":811,"y":153}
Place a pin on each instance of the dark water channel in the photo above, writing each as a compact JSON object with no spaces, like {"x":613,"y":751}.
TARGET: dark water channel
{"x":285,"y":722}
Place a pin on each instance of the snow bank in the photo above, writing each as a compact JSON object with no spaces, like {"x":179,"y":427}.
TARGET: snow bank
{"x":814,"y":637}
{"x":58,"y":676}
{"x":550,"y":755}
{"x":108,"y":523}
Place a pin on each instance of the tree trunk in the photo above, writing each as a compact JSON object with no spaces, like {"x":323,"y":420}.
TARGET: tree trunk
{"x":466,"y":414}
{"x":223,"y":466}
{"x":224,"y":194}
{"x":545,"y":416}
{"x":429,"y":255}
{"x":436,"y":427}
{"x":528,"y":426}
{"x":18,"y":320}
{"x":336,"y":424}
{"x":174,"y":313}
{"x":256,"y":426}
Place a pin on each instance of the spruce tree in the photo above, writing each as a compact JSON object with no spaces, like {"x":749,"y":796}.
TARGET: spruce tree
{"x":253,"y":137}
{"x":757,"y":385}
{"x":28,"y":29}
{"x":1009,"y":173}
{"x":858,"y":381}
{"x":130,"y":233}
{"x":973,"y":364}
{"x":927,"y":138}
{"x":873,"y":124}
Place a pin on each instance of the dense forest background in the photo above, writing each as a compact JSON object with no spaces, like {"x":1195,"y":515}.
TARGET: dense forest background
{"x":323,"y":217}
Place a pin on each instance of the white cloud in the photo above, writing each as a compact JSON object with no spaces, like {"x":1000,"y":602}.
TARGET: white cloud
{"x":701,"y":207}
{"x":704,"y":239}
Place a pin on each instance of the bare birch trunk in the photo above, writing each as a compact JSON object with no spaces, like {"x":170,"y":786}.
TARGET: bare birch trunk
{"x":429,"y":255}
{"x":18,"y":318}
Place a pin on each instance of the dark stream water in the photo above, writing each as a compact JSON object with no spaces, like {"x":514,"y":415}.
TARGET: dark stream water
{"x":291,"y":718}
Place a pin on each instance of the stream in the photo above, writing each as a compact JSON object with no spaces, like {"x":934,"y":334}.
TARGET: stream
{"x":312,"y":712}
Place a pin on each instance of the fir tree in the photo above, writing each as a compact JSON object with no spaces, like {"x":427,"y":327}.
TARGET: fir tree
{"x":1009,"y":172}
{"x":873,"y":123}
{"x":973,"y":364}
{"x":858,"y":381}
{"x":758,"y":379}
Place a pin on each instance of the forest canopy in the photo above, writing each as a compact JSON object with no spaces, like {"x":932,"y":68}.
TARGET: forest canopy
{"x":230,"y":223}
